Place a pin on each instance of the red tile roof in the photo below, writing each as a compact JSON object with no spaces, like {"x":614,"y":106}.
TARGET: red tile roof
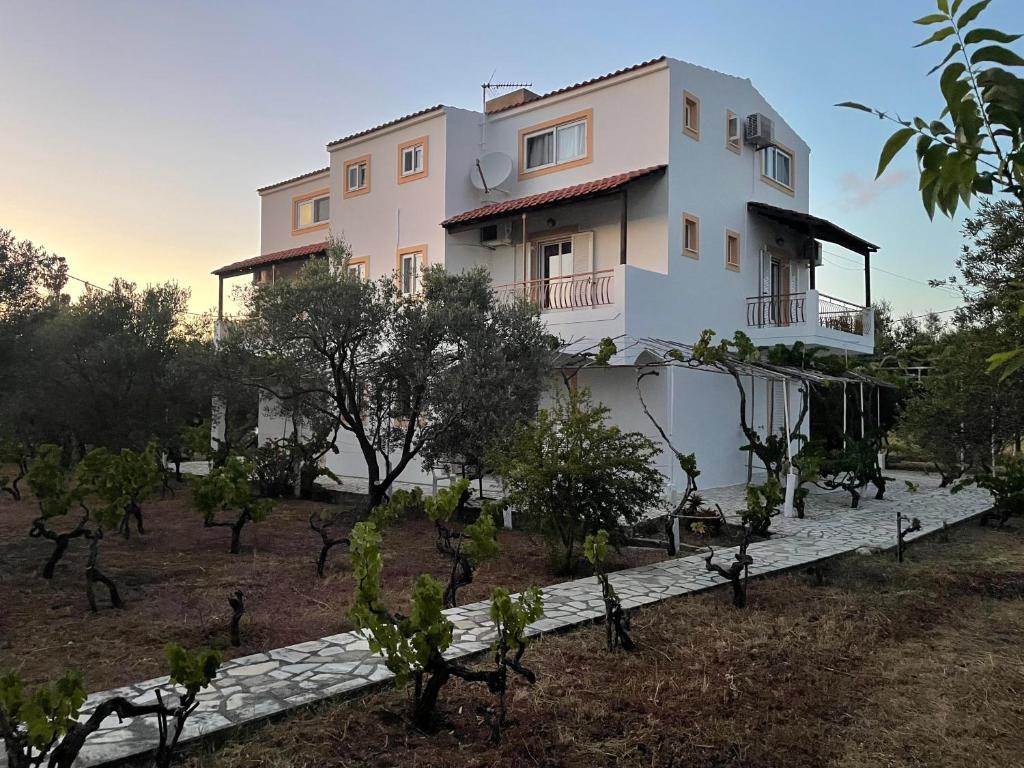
{"x":248,"y":265}
{"x":300,"y":177}
{"x":388,"y":124}
{"x":554,"y":197}
{"x":584,"y":83}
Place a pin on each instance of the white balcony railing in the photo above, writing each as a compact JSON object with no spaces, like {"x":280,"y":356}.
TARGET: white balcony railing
{"x":586,"y":289}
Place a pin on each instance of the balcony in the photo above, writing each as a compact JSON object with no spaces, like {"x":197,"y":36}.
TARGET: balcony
{"x":568,"y":292}
{"x":813,"y":318}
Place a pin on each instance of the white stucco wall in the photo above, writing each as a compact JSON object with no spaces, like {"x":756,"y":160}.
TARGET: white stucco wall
{"x":276,"y":215}
{"x":392,"y":215}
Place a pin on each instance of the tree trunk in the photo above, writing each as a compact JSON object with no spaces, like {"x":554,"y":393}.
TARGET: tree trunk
{"x":67,"y":751}
{"x":59,"y":548}
{"x":93,"y":575}
{"x":236,"y":532}
{"x":426,"y":703}
{"x":131,"y":510}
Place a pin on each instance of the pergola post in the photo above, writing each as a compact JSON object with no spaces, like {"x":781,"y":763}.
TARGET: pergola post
{"x":220,"y":298}
{"x":787,"y":509}
{"x":867,"y":278}
{"x":844,"y":415}
{"x":862,"y":435}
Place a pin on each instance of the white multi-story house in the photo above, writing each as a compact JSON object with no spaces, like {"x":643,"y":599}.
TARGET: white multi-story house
{"x":646,"y":204}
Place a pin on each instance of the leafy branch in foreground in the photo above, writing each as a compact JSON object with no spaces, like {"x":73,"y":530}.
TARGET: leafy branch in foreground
{"x":414,"y":646}
{"x":616,"y":620}
{"x":982,"y":147}
{"x":45,"y":725}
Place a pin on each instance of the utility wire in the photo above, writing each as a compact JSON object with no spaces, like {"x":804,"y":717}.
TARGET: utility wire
{"x":90,"y":284}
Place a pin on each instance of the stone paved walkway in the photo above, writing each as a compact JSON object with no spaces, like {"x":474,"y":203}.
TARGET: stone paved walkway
{"x":255,"y":687}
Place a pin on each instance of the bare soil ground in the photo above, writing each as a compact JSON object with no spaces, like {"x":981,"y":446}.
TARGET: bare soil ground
{"x":920,"y":664}
{"x":176,"y":579}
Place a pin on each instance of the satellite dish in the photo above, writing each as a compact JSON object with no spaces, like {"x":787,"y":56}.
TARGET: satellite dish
{"x":490,"y":171}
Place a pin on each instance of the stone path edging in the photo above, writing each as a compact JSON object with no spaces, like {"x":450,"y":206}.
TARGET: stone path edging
{"x":260,"y":686}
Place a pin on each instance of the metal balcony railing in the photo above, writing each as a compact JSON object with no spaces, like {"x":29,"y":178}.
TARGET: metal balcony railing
{"x":840,"y":315}
{"x":586,"y":289}
{"x":792,"y":309}
{"x":772,"y":311}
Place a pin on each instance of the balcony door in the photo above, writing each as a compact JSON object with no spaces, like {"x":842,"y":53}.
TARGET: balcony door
{"x":564,"y":265}
{"x":780,"y":290}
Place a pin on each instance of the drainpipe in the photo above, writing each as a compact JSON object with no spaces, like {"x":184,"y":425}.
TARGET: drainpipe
{"x":622,"y":227}
{"x":526,"y":254}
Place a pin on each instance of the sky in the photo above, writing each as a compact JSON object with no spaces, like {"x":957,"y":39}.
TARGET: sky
{"x":133,"y":135}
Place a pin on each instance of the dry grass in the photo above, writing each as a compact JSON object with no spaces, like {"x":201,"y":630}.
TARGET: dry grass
{"x":883,"y":665}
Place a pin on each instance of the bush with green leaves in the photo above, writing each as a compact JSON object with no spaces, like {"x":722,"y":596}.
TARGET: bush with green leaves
{"x":851,"y":468}
{"x":762,"y":504}
{"x":570,"y":473}
{"x":1006,"y":487}
{"x":121,"y":481}
{"x":227,"y":492}
{"x":616,"y":620}
{"x":413,"y":646}
{"x":61,"y":493}
{"x":275,"y":468}
{"x":45,"y":725}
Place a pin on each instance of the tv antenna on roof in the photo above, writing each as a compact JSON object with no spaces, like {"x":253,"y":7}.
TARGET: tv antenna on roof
{"x":487,"y":88}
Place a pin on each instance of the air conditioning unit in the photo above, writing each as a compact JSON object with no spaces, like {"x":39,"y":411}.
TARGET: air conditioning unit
{"x":760,"y":131}
{"x":814,"y":253}
{"x":495,"y":235}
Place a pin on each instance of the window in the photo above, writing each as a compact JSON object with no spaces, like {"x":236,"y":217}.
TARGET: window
{"x":358,"y":267}
{"x":357,"y":176}
{"x":411,"y":262}
{"x":556,"y":144}
{"x":691,"y":115}
{"x":777,"y":167}
{"x":311,"y":211}
{"x":732,"y":250}
{"x":691,"y":236}
{"x":733,"y":137}
{"x":412,"y":160}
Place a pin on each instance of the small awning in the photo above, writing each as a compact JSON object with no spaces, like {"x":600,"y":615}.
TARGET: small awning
{"x":605,"y":186}
{"x":813,"y":226}
{"x":250,"y":265}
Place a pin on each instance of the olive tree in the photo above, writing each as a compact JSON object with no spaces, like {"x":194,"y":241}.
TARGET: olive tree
{"x":390,"y":369}
{"x":962,"y":416}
